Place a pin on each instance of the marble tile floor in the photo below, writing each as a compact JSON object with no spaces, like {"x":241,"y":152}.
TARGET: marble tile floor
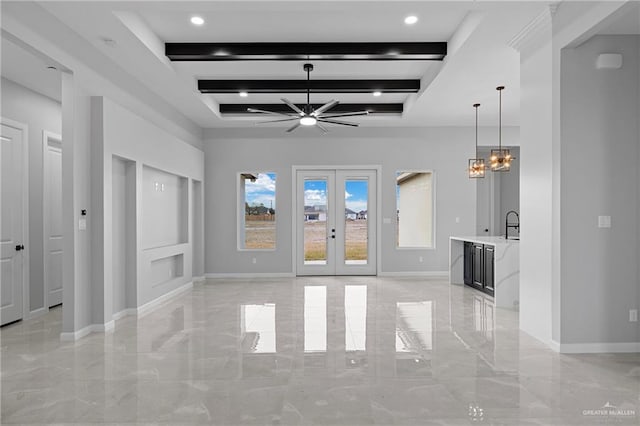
{"x":336,"y":350}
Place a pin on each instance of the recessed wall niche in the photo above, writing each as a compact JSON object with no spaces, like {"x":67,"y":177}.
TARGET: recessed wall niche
{"x":164,"y":209}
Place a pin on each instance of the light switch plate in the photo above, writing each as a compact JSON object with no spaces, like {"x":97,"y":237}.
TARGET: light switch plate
{"x":82,"y":224}
{"x":604,"y":221}
{"x":386,"y":221}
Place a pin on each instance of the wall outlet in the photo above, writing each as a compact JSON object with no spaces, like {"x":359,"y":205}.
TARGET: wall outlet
{"x":420,"y":259}
{"x":633,"y":315}
{"x":386,"y":220}
{"x":457,"y":220}
{"x":254,"y":261}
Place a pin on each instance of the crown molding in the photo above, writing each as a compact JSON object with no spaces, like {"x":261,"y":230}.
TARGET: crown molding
{"x":534,"y":30}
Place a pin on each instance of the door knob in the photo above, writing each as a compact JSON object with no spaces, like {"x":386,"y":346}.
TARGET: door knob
{"x":19,"y":247}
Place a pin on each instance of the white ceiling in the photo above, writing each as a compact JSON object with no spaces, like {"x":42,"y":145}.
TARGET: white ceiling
{"x":29,"y":70}
{"x":479,"y":58}
{"x":625,"y":22}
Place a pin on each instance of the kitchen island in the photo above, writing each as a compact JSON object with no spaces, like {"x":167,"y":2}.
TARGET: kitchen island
{"x":494,"y":267}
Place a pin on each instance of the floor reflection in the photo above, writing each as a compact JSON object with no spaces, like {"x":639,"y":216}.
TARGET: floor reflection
{"x":258,"y":325}
{"x":414,"y":338}
{"x":316,"y":350}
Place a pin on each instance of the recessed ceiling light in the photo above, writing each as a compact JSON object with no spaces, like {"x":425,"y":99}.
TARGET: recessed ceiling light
{"x":411,"y":19}
{"x":243,"y":94}
{"x":377,"y":93}
{"x":197,"y":20}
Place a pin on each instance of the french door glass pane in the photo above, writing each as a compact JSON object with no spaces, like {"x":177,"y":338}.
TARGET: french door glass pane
{"x":315,"y":221}
{"x":356,"y":192}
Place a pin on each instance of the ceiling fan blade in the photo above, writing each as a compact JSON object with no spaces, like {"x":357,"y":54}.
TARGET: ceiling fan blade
{"x":343,"y":114}
{"x":343,"y":123}
{"x":292,"y":106}
{"x":278,"y":121}
{"x":262,"y":111}
{"x":292,"y":128}
{"x":325,"y":107}
{"x":321,"y":127}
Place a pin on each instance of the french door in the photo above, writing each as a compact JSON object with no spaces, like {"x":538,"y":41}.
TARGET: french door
{"x":336,"y":222}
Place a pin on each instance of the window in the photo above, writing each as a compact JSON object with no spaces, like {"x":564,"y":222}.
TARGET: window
{"x":257,"y":211}
{"x":414,"y":197}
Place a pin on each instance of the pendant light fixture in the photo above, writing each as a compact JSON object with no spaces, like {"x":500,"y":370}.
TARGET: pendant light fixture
{"x":476,"y":165}
{"x":500,"y":160}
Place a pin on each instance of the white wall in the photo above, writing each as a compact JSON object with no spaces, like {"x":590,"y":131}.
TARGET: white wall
{"x":157,"y":156}
{"x":163,"y":207}
{"x":76,"y":195}
{"x":124,"y":234}
{"x":39,"y":113}
{"x":600,"y":177}
{"x":538,"y":206}
{"x":443,"y":150}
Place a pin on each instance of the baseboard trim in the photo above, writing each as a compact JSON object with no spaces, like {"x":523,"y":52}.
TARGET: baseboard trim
{"x":143,"y":310}
{"x":36,"y":313}
{"x":139,"y":312}
{"x":85,"y":331}
{"x":421,"y":274}
{"x":596,"y":348}
{"x":199,"y":279}
{"x":249,"y":275}
{"x":555,"y":346}
{"x":105,"y":328}
{"x":123,"y":313}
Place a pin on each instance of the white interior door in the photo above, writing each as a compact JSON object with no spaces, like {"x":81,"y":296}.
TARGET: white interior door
{"x":336,"y":222}
{"x":11,"y":210}
{"x":53,"y":218}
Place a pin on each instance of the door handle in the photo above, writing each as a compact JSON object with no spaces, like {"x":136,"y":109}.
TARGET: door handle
{"x":20,"y":247}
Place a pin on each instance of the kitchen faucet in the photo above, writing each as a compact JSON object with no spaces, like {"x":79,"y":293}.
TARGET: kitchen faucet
{"x":507,"y":225}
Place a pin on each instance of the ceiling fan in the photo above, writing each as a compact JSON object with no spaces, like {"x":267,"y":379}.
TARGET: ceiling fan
{"x":307,"y":116}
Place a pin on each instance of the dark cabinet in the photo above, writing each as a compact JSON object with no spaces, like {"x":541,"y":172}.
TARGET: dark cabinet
{"x":489,"y":272}
{"x":479,"y":266}
{"x":468,"y":263}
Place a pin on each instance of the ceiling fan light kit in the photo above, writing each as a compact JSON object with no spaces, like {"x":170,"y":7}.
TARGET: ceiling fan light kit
{"x":307,"y":115}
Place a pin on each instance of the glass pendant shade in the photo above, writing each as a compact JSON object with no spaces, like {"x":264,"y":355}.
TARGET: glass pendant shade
{"x":476,"y":168}
{"x":500,"y":160}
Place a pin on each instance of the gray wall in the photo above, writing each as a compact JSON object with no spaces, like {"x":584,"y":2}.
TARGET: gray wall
{"x":39,"y":113}
{"x":600,"y":144}
{"x":230,"y":151}
{"x":497,"y":193}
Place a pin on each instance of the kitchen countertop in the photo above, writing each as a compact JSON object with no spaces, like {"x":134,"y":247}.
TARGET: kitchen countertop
{"x":486,"y":240}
